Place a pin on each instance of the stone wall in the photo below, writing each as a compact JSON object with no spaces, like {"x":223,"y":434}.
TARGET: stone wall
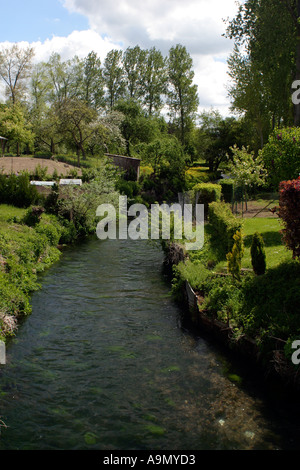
{"x":131,"y":166}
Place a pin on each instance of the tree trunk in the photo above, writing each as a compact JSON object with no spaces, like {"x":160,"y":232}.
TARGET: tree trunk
{"x":52,"y":148}
{"x":78,"y":156}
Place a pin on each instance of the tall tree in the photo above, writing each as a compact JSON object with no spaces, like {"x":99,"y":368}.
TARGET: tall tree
{"x":40,"y":86}
{"x":14,"y":127}
{"x":76,"y":121}
{"x":183,"y":98}
{"x":92,"y":81}
{"x":65,"y":77}
{"x":47,"y":129}
{"x":215,"y":137}
{"x":113,"y":77}
{"x":15,"y":67}
{"x":136,"y":126}
{"x":133,"y":59}
{"x":154,"y":79}
{"x":249,"y":96}
{"x":265,"y":34}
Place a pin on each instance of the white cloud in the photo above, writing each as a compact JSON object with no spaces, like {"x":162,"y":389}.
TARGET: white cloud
{"x":196,"y":24}
{"x":189,"y":22}
{"x":78,"y":43}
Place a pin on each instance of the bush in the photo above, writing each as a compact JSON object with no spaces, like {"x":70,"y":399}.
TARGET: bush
{"x":52,"y":230}
{"x":223,"y":225}
{"x":223,"y":299}
{"x":234,"y":258}
{"x":43,"y":155}
{"x":40,"y":173}
{"x":194,"y":272}
{"x":208,"y":192}
{"x":227,"y":190}
{"x":271,"y":302}
{"x":289,"y":212}
{"x":281,"y":155}
{"x":51,"y":202}
{"x":33,"y":216}
{"x":17,"y":191}
{"x":258,"y":255}
{"x":128,"y":188}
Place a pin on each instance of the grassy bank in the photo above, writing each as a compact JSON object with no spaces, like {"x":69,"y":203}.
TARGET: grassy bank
{"x":264,"y":308}
{"x":24,"y":252}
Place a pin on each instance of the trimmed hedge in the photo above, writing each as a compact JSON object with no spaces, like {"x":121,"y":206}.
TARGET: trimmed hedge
{"x":227,"y":190}
{"x":208,"y":193}
{"x":224,"y":225}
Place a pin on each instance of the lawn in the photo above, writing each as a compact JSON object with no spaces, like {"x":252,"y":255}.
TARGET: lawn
{"x":7,"y":213}
{"x":269,"y":228}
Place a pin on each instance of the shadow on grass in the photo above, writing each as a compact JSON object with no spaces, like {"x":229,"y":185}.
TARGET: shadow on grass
{"x":270,"y":239}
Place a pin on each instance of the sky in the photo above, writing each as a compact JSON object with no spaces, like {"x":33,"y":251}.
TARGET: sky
{"x":77,"y":27}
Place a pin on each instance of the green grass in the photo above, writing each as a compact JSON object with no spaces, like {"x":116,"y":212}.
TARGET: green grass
{"x":24,"y":251}
{"x":8,"y":212}
{"x":269,"y":228}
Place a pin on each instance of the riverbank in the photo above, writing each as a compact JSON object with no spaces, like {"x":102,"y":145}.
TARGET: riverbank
{"x":33,"y":228}
{"x":104,"y":363}
{"x":25,"y":251}
{"x":257,"y":317}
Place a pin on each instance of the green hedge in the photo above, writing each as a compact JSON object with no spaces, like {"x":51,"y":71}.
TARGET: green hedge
{"x":17,"y":191}
{"x":227,"y":190}
{"x":223,"y":225}
{"x":208,"y":193}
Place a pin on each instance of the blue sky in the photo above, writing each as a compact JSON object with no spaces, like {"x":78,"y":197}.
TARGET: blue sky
{"x":77,"y":27}
{"x":37,"y":20}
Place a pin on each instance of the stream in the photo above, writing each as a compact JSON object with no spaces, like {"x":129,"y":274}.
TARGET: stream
{"x":104,"y":362}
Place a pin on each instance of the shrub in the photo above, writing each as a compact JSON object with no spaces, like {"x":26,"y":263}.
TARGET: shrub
{"x":227,"y":190}
{"x":51,"y":202}
{"x":223,"y":299}
{"x":33,"y":216}
{"x":43,"y":155}
{"x":194,"y":272}
{"x":128,"y":188}
{"x":271,"y":302}
{"x":40,"y":173}
{"x":258,"y":255}
{"x":208,"y":193}
{"x":51,"y":230}
{"x":17,"y":191}
{"x":234,"y":258}
{"x":289,"y":212}
{"x":223,"y":226}
{"x":281,"y":155}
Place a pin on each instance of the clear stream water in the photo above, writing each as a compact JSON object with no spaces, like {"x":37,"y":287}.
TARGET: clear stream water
{"x":104,"y":363}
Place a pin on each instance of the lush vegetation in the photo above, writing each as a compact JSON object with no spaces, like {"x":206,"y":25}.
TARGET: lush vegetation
{"x":141,"y":104}
{"x":25,"y":251}
{"x":254,"y":289}
{"x":30,"y":235}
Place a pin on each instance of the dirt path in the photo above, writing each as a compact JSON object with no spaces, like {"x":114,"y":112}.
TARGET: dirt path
{"x":16,"y":165}
{"x":255,"y":209}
